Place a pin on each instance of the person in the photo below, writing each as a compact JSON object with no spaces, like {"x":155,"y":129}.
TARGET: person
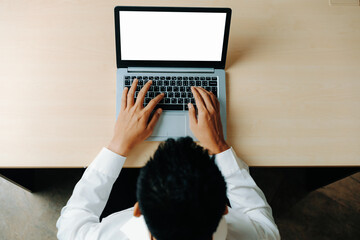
{"x":182,"y":191}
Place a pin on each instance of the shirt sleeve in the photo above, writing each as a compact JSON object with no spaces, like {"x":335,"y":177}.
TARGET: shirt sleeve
{"x":80,"y":217}
{"x":245,"y":196}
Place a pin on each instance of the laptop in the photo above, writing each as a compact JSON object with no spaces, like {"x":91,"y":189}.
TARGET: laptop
{"x":176,"y":48}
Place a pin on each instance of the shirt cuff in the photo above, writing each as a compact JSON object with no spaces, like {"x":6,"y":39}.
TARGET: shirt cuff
{"x":108,"y":163}
{"x":229,"y":163}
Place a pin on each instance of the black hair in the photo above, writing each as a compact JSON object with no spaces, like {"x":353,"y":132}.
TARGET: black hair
{"x":181,"y":192}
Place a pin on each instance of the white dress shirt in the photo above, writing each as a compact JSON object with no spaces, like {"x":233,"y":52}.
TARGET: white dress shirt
{"x":249,"y":217}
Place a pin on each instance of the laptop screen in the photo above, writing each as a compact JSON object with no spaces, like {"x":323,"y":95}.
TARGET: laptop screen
{"x":171,"y":36}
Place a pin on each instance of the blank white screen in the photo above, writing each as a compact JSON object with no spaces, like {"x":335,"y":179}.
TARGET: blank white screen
{"x":174,"y":36}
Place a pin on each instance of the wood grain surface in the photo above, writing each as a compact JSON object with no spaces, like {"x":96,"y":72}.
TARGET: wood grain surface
{"x":293,"y":82}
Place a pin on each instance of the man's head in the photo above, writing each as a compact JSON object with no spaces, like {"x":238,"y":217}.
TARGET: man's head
{"x":181,"y":192}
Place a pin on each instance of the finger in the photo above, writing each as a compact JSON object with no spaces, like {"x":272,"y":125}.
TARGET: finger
{"x":206,"y":96}
{"x":152,"y":104}
{"x":198,"y":99}
{"x":130,"y":96}
{"x":142,"y":93}
{"x":123,"y":98}
{"x":213,"y":98}
{"x":218,"y":105}
{"x":192,"y":115}
{"x":154,"y":120}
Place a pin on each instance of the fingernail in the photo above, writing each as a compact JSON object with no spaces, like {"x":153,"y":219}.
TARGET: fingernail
{"x":159,"y":110}
{"x":189,"y":105}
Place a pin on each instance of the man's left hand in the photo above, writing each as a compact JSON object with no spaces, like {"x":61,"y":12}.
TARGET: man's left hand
{"x":133,"y":125}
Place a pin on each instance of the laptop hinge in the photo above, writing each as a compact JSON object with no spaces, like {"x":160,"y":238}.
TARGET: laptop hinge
{"x":170,"y":70}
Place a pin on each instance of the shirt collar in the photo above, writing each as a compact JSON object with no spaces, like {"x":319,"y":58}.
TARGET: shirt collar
{"x":136,"y":229}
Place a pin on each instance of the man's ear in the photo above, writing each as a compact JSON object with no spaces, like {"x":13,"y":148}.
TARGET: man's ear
{"x":226,"y":210}
{"x":137,"y":212}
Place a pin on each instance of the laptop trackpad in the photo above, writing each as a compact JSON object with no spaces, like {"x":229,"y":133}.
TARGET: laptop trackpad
{"x":170,"y":125}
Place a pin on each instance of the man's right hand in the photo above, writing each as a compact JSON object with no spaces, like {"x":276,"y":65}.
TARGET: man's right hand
{"x":206,"y":126}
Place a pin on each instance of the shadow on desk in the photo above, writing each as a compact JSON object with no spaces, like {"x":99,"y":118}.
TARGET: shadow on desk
{"x":244,"y":47}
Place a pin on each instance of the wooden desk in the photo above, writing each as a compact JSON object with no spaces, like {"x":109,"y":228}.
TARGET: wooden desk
{"x":293,"y":82}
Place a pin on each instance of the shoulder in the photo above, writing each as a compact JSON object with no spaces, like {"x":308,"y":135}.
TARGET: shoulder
{"x":110,"y":227}
{"x":239,"y":226}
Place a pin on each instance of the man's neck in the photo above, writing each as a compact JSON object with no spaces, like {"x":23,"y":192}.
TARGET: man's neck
{"x":152,"y":237}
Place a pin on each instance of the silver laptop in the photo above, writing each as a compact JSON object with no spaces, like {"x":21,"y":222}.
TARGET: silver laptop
{"x":176,"y":48}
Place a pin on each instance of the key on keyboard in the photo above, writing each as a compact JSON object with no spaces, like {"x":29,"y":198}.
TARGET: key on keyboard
{"x":176,"y":89}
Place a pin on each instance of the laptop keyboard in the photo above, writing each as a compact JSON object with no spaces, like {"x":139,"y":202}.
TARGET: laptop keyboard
{"x":177,"y":89}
